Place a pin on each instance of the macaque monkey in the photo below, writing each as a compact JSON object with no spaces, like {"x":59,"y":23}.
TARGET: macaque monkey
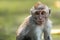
{"x":36,"y":24}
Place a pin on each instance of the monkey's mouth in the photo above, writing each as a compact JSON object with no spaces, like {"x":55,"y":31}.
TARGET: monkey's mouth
{"x":40,"y":22}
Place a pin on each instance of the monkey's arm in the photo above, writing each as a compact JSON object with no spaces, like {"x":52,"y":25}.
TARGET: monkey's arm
{"x":47,"y":31}
{"x":23,"y":30}
{"x":24,"y":33}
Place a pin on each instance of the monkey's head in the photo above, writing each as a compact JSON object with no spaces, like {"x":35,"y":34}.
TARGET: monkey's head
{"x":40,"y":13}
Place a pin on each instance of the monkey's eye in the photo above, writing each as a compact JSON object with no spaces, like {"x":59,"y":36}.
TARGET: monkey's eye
{"x":43,"y":12}
{"x":36,"y":13}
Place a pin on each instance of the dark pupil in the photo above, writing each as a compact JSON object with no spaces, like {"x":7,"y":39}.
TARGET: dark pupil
{"x":42,"y":12}
{"x":37,"y":13}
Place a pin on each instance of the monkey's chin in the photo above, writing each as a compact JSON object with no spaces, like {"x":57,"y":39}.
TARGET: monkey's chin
{"x":40,"y":22}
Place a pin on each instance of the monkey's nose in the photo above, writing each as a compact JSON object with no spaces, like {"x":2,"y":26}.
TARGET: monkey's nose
{"x":40,"y":18}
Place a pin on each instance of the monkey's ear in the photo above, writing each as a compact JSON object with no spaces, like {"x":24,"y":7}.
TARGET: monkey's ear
{"x":49,"y":10}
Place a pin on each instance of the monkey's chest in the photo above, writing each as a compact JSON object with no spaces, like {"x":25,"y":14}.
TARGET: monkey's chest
{"x":38,"y":32}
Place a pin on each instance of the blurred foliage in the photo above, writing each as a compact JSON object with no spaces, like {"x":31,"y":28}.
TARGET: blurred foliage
{"x":13,"y":12}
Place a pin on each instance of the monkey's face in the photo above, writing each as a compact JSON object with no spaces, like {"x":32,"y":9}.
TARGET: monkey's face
{"x":40,"y":17}
{"x":40,"y":13}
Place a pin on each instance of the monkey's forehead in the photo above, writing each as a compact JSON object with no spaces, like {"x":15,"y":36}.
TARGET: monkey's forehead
{"x":39,"y":8}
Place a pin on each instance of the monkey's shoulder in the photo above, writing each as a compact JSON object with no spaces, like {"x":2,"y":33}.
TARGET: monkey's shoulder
{"x":23,"y":25}
{"x":49,"y":23}
{"x":26,"y":21}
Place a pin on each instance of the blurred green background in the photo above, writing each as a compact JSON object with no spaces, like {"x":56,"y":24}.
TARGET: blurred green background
{"x":13,"y":12}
